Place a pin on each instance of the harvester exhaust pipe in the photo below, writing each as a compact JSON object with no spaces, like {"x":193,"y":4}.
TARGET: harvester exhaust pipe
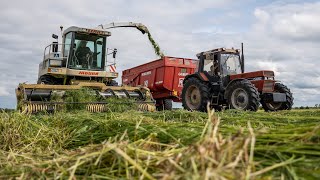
{"x":242,"y":58}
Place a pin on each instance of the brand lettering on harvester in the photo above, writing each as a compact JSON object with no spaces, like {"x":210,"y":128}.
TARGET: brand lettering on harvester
{"x":89,"y":73}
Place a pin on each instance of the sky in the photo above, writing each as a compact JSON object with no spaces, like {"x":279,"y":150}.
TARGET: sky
{"x":283,"y":36}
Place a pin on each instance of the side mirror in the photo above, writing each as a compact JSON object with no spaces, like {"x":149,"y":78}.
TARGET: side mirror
{"x":54,"y":36}
{"x":114,"y":53}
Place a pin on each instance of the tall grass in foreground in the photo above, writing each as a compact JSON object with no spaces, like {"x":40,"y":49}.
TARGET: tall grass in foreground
{"x":162,"y":145}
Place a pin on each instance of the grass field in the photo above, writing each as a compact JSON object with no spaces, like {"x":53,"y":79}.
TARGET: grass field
{"x":161,"y":145}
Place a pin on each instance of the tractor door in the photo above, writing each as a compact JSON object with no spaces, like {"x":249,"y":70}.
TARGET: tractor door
{"x":229,"y":65}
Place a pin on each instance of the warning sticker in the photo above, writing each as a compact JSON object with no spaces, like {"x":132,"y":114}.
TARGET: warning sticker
{"x":180,"y":82}
{"x":146,"y":82}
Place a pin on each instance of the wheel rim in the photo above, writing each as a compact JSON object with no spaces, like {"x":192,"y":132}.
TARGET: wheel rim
{"x":274,"y":105}
{"x":193,"y":99}
{"x":239,"y":99}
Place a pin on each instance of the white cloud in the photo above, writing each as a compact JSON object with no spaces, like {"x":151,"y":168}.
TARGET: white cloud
{"x":3,"y":92}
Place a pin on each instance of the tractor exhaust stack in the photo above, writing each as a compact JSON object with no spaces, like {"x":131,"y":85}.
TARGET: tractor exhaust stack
{"x":242,"y":58}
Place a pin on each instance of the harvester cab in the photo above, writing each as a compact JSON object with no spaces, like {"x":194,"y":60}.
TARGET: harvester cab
{"x":82,"y":58}
{"x":79,"y":62}
{"x":221,"y":81}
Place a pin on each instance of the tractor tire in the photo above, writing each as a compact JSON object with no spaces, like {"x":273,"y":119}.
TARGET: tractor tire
{"x":195,"y":95}
{"x":243,"y":95}
{"x":46,"y":80}
{"x":217,"y":108}
{"x":165,"y":105}
{"x":280,"y":105}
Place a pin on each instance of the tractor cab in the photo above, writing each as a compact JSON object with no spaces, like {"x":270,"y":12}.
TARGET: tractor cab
{"x":221,"y":62}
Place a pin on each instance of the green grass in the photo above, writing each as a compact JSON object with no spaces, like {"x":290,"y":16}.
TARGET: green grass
{"x":171,"y":145}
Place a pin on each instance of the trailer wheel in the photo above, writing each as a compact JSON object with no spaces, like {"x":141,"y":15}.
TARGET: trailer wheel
{"x":165,"y":104}
{"x":112,"y":83}
{"x":195,"y":95}
{"x":243,"y":95}
{"x":273,"y":106}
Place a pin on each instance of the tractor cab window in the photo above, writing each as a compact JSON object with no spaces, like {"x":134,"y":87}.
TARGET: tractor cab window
{"x":230,"y":64}
{"x":211,"y":65}
{"x":87,"y":53}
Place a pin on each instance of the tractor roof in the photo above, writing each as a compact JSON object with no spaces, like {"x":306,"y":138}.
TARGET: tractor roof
{"x":213,"y":51}
{"x":87,"y":30}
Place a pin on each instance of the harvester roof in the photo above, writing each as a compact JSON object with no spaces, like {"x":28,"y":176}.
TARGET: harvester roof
{"x":87,"y":30}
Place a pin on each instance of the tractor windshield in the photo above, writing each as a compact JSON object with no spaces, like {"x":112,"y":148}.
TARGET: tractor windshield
{"x":230,"y":64}
{"x":88,"y":52}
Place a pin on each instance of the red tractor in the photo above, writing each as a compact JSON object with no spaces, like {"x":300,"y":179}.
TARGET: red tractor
{"x":221,"y":81}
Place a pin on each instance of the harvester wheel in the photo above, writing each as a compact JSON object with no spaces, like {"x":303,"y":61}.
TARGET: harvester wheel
{"x":276,"y":106}
{"x":46,"y":80}
{"x":243,"y":95}
{"x":195,"y":95}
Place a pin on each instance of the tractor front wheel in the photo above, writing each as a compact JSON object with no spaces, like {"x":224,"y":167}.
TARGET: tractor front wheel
{"x":195,"y":95}
{"x":243,"y":95}
{"x":276,"y":106}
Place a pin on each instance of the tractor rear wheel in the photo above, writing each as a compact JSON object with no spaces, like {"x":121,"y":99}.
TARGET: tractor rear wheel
{"x":243,"y":95}
{"x":276,"y":106}
{"x":195,"y":95}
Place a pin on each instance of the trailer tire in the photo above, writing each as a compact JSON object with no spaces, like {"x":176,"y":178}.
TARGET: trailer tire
{"x":278,"y":87}
{"x":243,"y":95}
{"x":165,"y":104}
{"x":195,"y":95}
{"x":112,"y":83}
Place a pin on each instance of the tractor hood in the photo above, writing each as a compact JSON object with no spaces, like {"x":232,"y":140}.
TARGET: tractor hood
{"x":251,"y":75}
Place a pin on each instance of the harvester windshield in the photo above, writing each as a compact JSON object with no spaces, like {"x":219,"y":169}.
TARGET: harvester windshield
{"x":230,"y":64}
{"x":87,"y":52}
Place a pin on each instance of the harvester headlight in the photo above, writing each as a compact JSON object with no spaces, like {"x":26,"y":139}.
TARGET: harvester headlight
{"x":55,"y":63}
{"x":114,"y":74}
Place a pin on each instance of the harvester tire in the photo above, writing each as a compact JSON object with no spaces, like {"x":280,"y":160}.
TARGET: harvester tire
{"x":46,"y":80}
{"x":195,"y":95}
{"x":243,"y":95}
{"x":282,"y":105}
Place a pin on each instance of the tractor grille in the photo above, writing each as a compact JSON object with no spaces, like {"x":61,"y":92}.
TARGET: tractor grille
{"x":268,"y":86}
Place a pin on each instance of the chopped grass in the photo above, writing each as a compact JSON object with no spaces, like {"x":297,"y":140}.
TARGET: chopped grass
{"x":171,"y":145}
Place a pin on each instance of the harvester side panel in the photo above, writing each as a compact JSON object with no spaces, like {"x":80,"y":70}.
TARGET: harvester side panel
{"x":164,"y":77}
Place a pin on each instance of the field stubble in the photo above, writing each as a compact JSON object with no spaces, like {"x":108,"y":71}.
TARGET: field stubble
{"x":161,"y":145}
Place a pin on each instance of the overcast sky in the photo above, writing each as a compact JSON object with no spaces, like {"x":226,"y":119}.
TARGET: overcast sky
{"x":283,"y":36}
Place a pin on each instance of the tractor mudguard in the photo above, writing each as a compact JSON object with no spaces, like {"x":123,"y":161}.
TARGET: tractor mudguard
{"x":198,"y":75}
